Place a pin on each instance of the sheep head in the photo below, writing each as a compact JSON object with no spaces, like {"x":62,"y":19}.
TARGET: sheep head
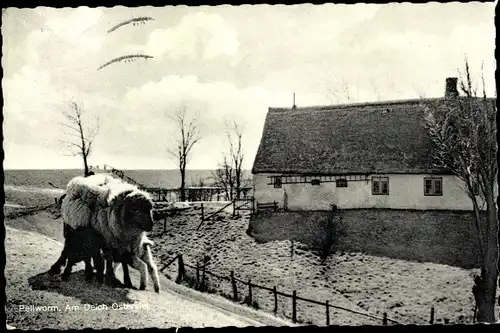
{"x":137,"y":211}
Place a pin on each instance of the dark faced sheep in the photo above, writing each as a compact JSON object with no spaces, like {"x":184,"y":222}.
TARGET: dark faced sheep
{"x":81,"y":244}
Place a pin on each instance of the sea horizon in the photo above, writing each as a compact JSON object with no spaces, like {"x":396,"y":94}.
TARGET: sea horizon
{"x":166,"y":178}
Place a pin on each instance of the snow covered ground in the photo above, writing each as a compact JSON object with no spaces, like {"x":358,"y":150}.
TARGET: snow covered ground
{"x":405,"y":290}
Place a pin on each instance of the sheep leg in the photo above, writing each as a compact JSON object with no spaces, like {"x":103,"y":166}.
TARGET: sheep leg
{"x":99,"y":266}
{"x":126,"y":275}
{"x":109,"y":277}
{"x":67,"y":270}
{"x":89,"y":271}
{"x":56,"y":267}
{"x":142,"y":268}
{"x":147,"y":257}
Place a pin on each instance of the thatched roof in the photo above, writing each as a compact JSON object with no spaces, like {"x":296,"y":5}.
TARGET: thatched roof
{"x":385,"y":137}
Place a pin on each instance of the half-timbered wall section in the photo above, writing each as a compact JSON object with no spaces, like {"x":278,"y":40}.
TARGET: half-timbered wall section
{"x":397,"y":191}
{"x":314,"y":180}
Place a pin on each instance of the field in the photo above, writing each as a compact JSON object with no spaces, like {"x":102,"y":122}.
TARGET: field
{"x":372,"y":284}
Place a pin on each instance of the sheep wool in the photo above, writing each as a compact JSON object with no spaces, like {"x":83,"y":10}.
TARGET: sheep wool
{"x":103,"y":203}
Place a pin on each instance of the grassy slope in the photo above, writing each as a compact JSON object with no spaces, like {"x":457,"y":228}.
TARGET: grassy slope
{"x":31,"y":196}
{"x":443,"y":237}
{"x":405,"y":290}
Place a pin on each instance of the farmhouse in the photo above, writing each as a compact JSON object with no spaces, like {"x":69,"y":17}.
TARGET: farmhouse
{"x":364,"y":155}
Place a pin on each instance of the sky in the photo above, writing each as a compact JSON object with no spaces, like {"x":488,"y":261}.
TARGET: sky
{"x":221,"y":64}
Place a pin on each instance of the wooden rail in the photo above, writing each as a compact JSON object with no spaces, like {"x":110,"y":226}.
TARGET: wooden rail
{"x":250,"y":285}
{"x":267,"y":205}
{"x":203,"y":218}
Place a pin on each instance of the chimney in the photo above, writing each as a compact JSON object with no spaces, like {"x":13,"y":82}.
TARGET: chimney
{"x":451,"y":88}
{"x":294,"y":106}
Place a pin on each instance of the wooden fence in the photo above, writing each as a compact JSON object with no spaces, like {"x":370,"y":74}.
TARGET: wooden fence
{"x":244,"y":204}
{"x":206,"y":218}
{"x":202,"y":272}
{"x":267,"y":205}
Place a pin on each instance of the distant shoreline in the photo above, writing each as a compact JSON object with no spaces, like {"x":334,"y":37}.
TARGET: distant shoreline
{"x":59,"y":178}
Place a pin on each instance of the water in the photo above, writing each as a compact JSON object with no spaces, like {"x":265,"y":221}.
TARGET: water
{"x":60,"y":178}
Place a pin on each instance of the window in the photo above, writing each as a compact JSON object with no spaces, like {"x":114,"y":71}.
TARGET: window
{"x":341,"y":182}
{"x":433,"y":186}
{"x":277,"y":182}
{"x":380,"y":185}
{"x":315,"y":182}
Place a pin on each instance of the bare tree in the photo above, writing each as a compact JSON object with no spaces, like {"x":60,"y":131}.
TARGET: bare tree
{"x":235,"y":138}
{"x":225,"y":177}
{"x":79,"y":137}
{"x":464,"y":135}
{"x":188,"y":136}
{"x":230,"y":173}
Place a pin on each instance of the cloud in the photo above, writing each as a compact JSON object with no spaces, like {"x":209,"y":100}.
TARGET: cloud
{"x":147,"y":109}
{"x":197,"y":35}
{"x":33,"y":107}
{"x":71,"y":25}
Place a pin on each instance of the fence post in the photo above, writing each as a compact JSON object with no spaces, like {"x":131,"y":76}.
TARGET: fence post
{"x":197,"y":273}
{"x":327,"y":313}
{"x":203,"y":276}
{"x":432,"y":316}
{"x":294,"y":307}
{"x":165,"y":224}
{"x":181,"y":271}
{"x":235,"y":288}
{"x":249,"y":292}
{"x":202,"y":213}
{"x":384,"y":321}
{"x":275,"y":300}
{"x":234,"y":208}
{"x":253,"y":205}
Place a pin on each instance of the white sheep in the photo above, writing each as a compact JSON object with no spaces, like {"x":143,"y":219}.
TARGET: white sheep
{"x":121,"y":213}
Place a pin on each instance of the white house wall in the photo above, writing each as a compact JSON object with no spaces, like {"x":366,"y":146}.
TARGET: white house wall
{"x":405,"y":192}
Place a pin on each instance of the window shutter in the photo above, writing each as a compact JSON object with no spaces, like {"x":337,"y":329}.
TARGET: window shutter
{"x":277,"y":182}
{"x":385,"y":187}
{"x":438,"y":187}
{"x":428,"y":186}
